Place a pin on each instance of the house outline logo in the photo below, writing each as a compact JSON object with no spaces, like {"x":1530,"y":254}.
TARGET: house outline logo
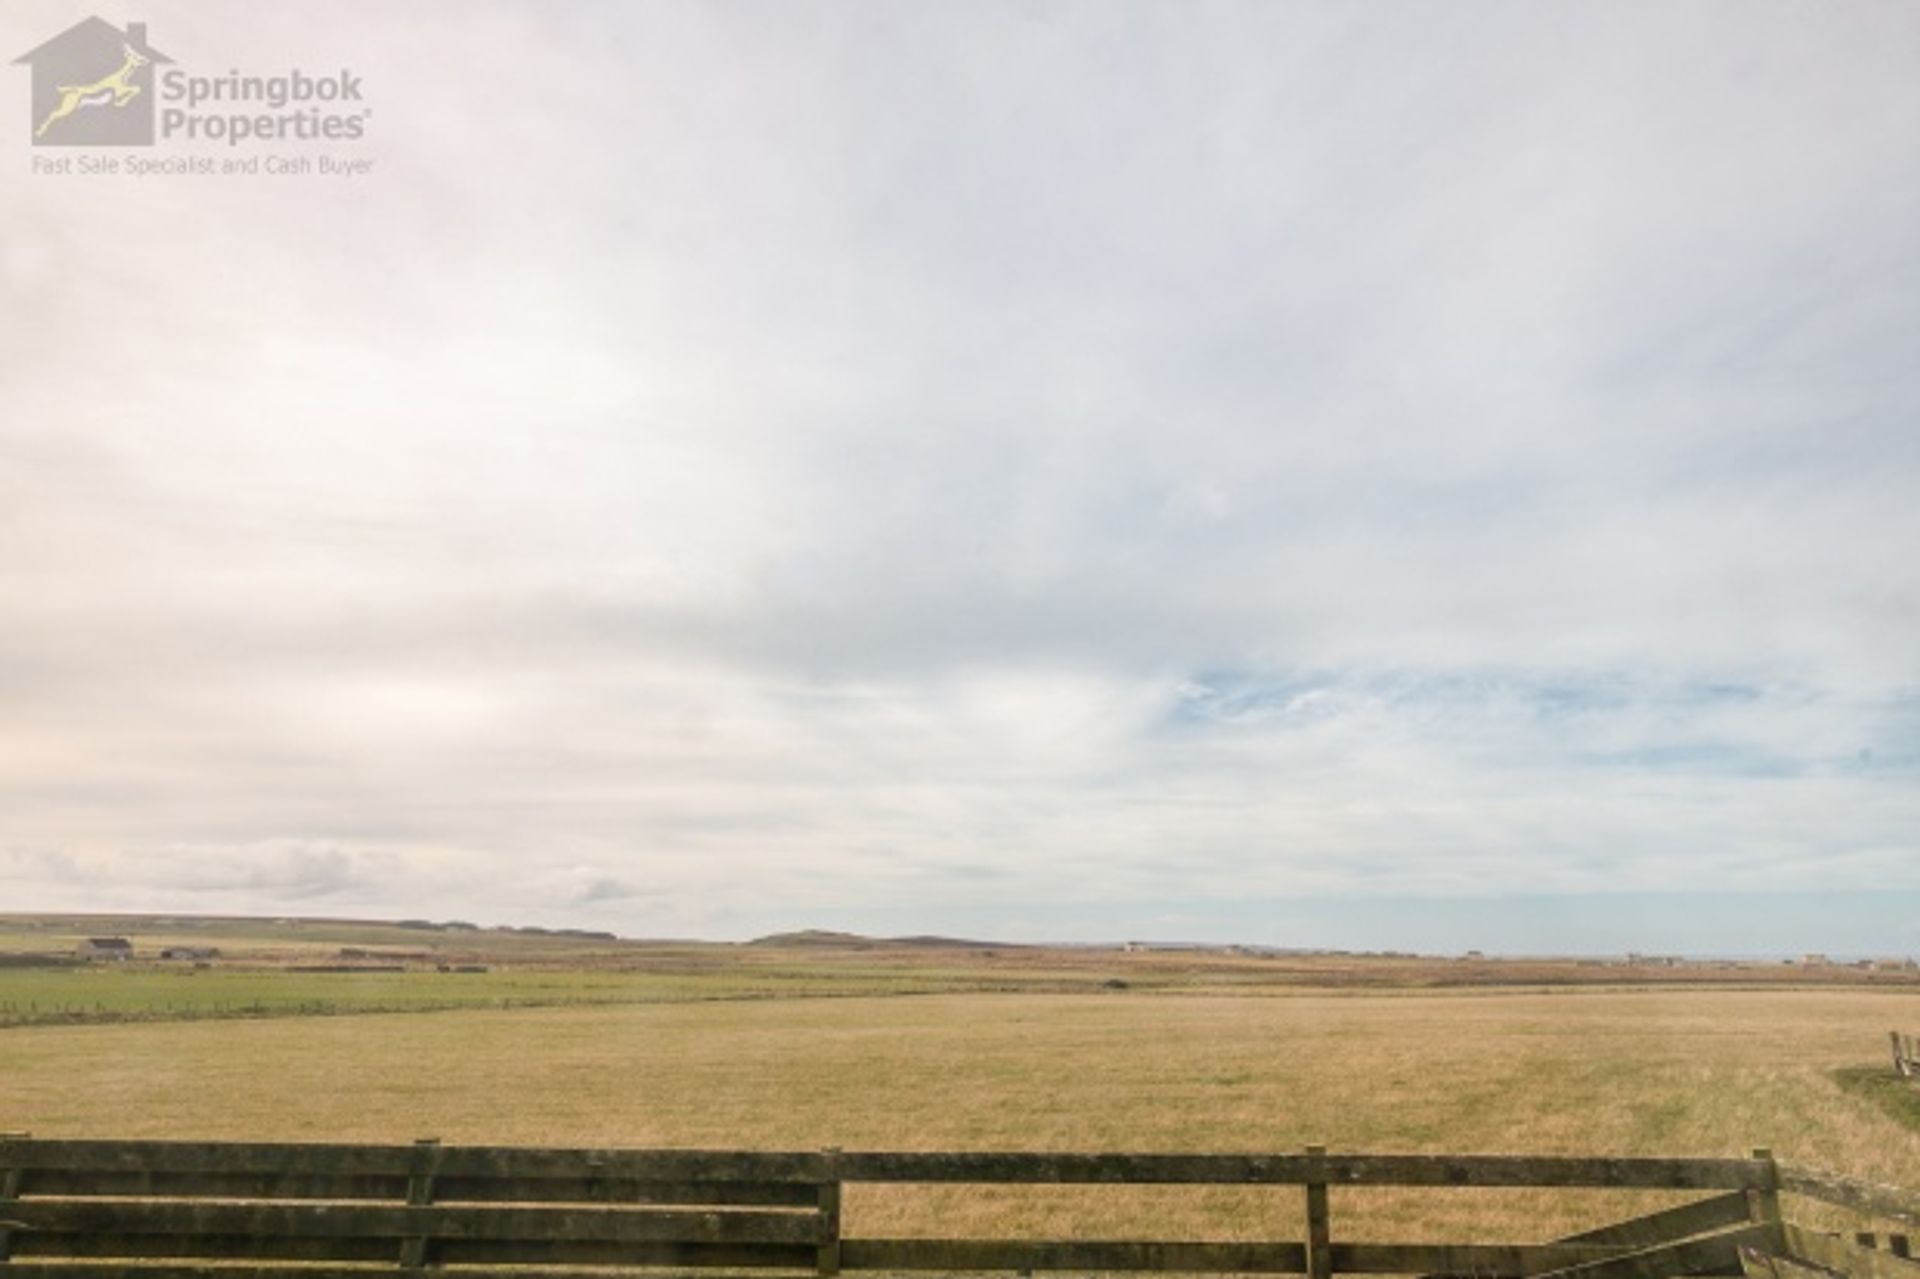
{"x":93,"y":86}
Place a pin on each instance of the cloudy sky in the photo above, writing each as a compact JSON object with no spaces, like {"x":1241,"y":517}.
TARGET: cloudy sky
{"x":1322,"y":474}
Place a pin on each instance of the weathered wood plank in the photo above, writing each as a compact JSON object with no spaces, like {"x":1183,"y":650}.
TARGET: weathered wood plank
{"x":1319,"y":1224}
{"x":150,"y":1183}
{"x":212,"y":1247}
{"x":65,"y":1183}
{"x":1717,"y":1254}
{"x":160,"y":1270}
{"x":827,"y":1260}
{"x":426,"y":1159}
{"x":1670,"y":1225}
{"x":615,"y":1190}
{"x":474,"y":1252}
{"x":707,"y":1166}
{"x":1336,"y":1169}
{"x":48,"y":1217}
{"x":258,"y":1248}
{"x":1756,"y":1263}
{"x":1667,"y":1226}
{"x":303,"y":1159}
{"x":1836,"y":1253}
{"x":1888,"y":1202}
{"x":504,"y":1162}
{"x":282,"y":1158}
{"x":1025,"y":1254}
{"x":11,"y":1181}
{"x":1485,"y":1261}
{"x":1763,"y":1204}
{"x":165,"y":1270}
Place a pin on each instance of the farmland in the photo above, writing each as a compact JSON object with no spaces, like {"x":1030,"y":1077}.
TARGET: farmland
{"x":802,"y":1046}
{"x":268,"y":968}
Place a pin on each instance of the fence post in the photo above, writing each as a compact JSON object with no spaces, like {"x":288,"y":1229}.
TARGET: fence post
{"x":1319,"y":1228}
{"x":426,"y":1160}
{"x":1902,"y":1066}
{"x":1763,"y":1202}
{"x":827,"y":1260}
{"x":11,"y":1176}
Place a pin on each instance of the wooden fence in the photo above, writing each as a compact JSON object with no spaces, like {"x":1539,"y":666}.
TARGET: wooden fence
{"x":1906,"y":1060}
{"x":186,"y":1210}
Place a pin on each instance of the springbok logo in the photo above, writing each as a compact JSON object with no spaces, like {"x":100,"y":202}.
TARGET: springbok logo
{"x":93,"y":86}
{"x":115,"y":89}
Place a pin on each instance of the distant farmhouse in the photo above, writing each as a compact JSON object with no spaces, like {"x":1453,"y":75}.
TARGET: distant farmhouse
{"x":105,"y":948}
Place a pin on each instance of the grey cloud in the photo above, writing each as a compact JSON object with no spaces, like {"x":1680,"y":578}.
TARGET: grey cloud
{"x":608,"y":889}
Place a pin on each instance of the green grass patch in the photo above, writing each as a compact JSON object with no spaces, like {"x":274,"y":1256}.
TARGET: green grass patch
{"x":110,"y":993}
{"x":1878,"y":1084}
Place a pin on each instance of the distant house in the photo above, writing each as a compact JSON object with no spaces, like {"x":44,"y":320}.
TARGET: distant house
{"x":105,"y":948}
{"x":1813,"y":959}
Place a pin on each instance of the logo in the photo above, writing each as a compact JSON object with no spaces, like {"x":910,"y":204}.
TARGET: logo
{"x":93,"y":86}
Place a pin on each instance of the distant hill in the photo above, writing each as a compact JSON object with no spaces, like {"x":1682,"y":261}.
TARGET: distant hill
{"x":822,"y":938}
{"x":817,"y":937}
{"x":261,"y":934}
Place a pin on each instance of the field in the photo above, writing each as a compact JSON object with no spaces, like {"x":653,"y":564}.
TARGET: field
{"x":931,"y":1048}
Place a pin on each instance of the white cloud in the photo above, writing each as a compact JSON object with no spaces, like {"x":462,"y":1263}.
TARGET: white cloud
{"x":990,"y":455}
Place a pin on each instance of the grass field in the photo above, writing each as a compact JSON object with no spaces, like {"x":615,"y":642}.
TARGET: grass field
{"x":1622,"y":1071}
{"x":119,"y":993}
{"x":831,"y":1041}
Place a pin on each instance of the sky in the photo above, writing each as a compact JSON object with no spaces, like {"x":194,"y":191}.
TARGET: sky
{"x":1371,"y":476}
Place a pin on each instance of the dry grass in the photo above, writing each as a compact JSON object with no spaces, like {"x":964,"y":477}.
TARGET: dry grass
{"x":1616,"y":1072}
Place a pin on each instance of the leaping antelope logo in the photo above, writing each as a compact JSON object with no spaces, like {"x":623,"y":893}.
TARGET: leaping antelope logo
{"x":75,"y":105}
{"x":115,"y":88}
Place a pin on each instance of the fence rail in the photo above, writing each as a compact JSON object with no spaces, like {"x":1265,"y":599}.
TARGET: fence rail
{"x":192,"y":1210}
